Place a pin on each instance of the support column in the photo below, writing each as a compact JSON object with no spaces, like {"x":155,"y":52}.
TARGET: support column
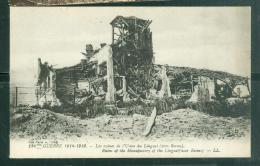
{"x":39,"y":68}
{"x":191,"y":82}
{"x":51,"y":80}
{"x":124,"y":88}
{"x":112,"y":34}
{"x":166,"y":91}
{"x":98,"y":70}
{"x":16,"y":96}
{"x":110,"y":96}
{"x":38,"y":86}
{"x":211,"y":87}
{"x":37,"y":94}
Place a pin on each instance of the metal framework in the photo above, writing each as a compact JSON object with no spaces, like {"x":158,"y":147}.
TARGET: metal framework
{"x":131,"y":41}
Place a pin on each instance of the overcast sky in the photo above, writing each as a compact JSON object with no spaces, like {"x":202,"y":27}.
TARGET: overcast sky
{"x":216,"y":38}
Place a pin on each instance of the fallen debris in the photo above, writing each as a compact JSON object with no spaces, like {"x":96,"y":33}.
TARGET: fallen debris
{"x":150,"y":123}
{"x":179,"y":124}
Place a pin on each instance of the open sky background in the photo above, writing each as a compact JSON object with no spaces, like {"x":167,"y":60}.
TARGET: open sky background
{"x":216,"y":38}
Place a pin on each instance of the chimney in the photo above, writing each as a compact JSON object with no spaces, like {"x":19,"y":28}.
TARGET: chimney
{"x":39,"y":70}
{"x":89,"y":51}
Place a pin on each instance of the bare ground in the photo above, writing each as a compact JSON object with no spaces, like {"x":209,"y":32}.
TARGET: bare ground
{"x":182,"y":124}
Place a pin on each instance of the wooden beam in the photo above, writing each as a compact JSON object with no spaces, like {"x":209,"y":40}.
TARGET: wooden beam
{"x":248,"y":84}
{"x":113,"y":34}
{"x":150,"y":123}
{"x":146,"y":26}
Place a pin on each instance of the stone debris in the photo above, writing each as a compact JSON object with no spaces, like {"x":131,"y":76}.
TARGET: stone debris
{"x":175,"y":125}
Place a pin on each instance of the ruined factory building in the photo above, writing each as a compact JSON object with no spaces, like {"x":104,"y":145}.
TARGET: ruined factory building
{"x":125,"y":70}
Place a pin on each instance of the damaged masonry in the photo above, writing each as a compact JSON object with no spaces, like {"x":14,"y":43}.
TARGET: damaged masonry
{"x":130,"y":86}
{"x":124,"y":71}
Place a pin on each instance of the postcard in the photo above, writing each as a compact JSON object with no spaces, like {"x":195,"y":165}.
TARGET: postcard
{"x":130,"y":82}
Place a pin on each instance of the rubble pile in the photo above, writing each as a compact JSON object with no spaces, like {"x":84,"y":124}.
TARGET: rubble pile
{"x":40,"y":121}
{"x":190,"y":124}
{"x":175,"y":125}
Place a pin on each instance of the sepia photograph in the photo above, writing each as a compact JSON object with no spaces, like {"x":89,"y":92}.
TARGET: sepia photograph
{"x":124,"y":82}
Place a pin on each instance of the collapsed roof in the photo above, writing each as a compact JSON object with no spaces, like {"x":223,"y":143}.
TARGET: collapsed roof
{"x":133,"y":60}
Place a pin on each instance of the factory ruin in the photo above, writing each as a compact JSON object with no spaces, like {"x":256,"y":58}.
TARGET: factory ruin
{"x":125,"y":70}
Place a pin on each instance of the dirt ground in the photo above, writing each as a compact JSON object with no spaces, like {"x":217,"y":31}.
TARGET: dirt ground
{"x":182,"y":124}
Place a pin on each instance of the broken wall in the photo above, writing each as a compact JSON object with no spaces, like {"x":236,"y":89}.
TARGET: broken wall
{"x":208,"y":83}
